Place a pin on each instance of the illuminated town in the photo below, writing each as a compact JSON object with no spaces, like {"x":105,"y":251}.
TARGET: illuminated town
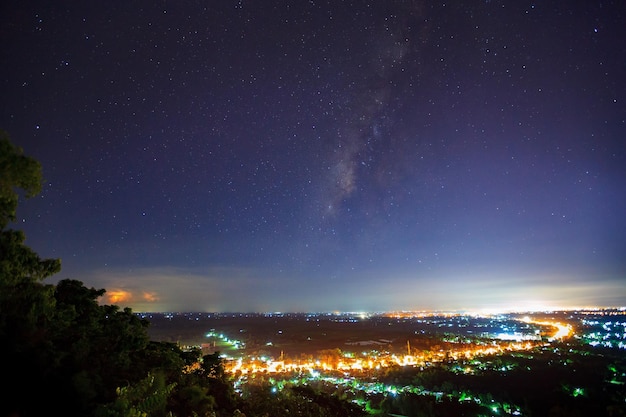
{"x":369,"y":357}
{"x":374,"y":359}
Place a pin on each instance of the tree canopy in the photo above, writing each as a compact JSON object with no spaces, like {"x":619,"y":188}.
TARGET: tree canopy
{"x":61,"y":350}
{"x":17,"y":171}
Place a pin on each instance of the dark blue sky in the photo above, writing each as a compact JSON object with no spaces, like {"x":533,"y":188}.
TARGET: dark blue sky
{"x":324,"y":155}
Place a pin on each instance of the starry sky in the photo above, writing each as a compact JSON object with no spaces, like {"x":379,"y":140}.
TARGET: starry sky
{"x":324,"y":155}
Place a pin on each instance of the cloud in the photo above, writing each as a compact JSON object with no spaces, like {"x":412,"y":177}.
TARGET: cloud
{"x":178,"y":289}
{"x":118,"y":296}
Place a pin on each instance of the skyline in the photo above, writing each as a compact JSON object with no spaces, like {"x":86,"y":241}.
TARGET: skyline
{"x":361,"y":156}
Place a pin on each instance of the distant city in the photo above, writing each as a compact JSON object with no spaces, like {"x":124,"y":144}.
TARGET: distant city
{"x":373,"y":356}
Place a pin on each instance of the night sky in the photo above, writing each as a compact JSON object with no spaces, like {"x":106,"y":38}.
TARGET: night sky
{"x":324,"y":155}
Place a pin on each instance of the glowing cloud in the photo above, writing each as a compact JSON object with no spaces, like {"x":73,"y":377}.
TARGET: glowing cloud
{"x":118,"y":296}
{"x":151,"y":297}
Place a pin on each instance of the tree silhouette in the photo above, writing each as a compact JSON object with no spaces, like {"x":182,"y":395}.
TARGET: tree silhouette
{"x":62,"y":352}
